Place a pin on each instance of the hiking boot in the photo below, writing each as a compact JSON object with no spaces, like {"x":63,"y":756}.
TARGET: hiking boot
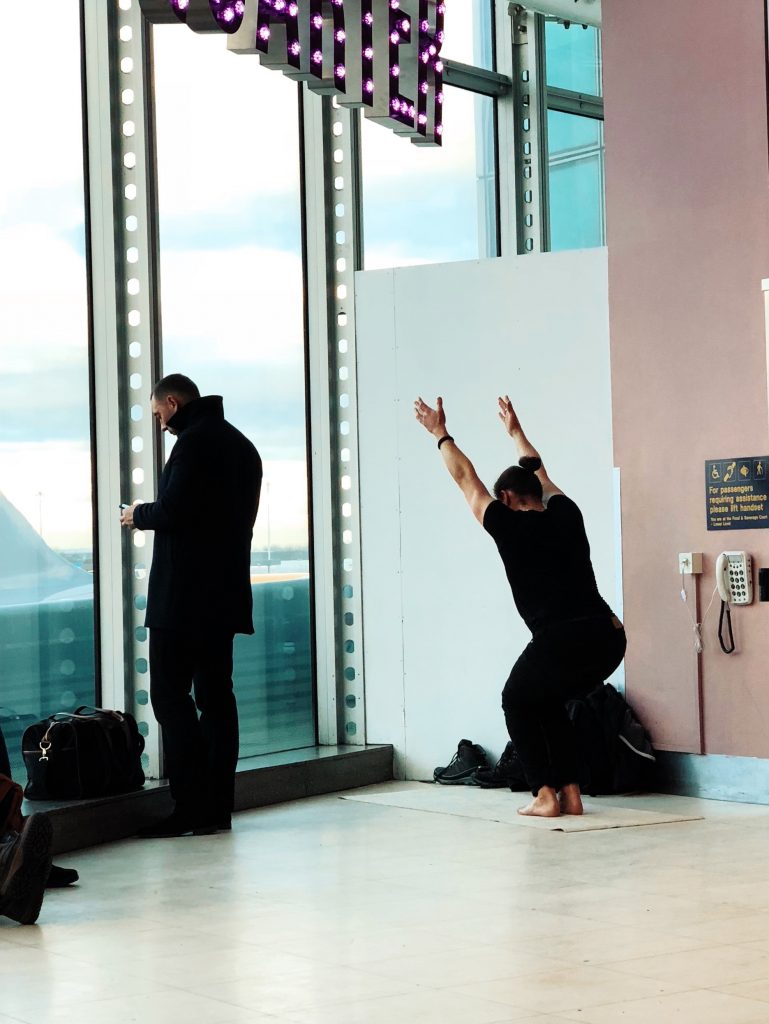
{"x":25,"y":863}
{"x":506,"y":773}
{"x":460,"y":770}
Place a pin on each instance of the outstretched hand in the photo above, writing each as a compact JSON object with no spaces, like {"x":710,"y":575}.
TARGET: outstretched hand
{"x":433,"y":420}
{"x":508,"y":415}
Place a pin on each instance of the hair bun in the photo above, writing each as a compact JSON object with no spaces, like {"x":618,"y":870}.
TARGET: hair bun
{"x":530,"y":463}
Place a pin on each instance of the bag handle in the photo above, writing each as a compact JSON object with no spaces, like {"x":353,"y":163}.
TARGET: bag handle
{"x":89,"y":710}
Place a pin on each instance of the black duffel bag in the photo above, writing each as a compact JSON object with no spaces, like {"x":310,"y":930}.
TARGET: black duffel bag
{"x":90,"y":753}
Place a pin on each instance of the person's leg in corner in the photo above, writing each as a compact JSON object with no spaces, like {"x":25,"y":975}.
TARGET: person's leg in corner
{"x":25,"y":863}
{"x":215,"y":699}
{"x":583,"y":655}
{"x":171,"y":671}
{"x":522,"y":703}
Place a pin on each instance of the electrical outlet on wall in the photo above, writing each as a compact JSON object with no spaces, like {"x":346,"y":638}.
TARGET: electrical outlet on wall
{"x":690,"y":562}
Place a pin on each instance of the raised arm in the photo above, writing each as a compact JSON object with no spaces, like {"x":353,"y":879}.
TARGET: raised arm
{"x":525,"y":448}
{"x":457,"y":463}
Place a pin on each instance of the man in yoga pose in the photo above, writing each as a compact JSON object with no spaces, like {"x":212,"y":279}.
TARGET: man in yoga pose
{"x":577,"y":641}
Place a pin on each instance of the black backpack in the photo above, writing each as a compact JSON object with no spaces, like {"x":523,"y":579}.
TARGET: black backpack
{"x":616,"y":755}
{"x":90,"y":753}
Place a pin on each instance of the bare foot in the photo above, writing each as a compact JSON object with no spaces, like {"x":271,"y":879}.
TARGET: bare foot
{"x":570,"y":799}
{"x":544,"y":805}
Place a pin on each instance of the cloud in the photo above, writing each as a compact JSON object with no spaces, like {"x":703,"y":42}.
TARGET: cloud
{"x":43,"y":298}
{"x":227,"y":129}
{"x":50,"y":484}
{"x":42,"y":112}
{"x":242,"y":307}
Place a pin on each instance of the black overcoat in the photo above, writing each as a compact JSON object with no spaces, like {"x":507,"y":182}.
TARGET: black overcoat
{"x":203,"y":518}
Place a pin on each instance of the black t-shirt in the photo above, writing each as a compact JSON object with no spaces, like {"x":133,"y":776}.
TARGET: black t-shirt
{"x":547,"y":561}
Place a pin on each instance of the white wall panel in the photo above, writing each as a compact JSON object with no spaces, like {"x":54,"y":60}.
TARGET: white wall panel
{"x":440,"y":628}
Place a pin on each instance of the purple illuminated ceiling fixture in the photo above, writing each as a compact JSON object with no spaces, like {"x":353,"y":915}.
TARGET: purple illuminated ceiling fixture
{"x":227,"y":14}
{"x":430,"y":71}
{"x":283,"y":16}
{"x":372,"y":53}
{"x":209,"y":15}
{"x":179,"y":7}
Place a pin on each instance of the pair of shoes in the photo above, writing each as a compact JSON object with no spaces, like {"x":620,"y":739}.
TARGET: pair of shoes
{"x":60,"y":878}
{"x":461,"y":769}
{"x":25,"y":863}
{"x":176,"y":825}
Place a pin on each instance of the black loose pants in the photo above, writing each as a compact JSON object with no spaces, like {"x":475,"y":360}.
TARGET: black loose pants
{"x":563,"y":662}
{"x":201,"y":751}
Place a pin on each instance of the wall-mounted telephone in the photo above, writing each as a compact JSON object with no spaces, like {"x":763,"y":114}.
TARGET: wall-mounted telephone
{"x":734,"y":580}
{"x":734,"y":577}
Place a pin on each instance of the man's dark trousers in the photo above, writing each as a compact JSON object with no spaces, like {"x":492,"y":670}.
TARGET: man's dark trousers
{"x":201,"y":752}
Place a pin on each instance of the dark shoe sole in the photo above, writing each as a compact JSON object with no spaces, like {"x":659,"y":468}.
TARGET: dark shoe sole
{"x":162,"y":831}
{"x":23,"y":893}
{"x":158,"y":832}
{"x":465,"y":779}
{"x":458,"y":776}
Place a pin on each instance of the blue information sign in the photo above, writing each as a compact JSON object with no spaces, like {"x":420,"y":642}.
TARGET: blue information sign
{"x":737,"y":493}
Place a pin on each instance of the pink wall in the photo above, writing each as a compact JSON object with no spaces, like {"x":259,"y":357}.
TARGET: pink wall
{"x":687,"y":195}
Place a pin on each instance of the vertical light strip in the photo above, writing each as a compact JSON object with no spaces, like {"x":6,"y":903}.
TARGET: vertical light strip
{"x":139,"y":360}
{"x":333,"y":254}
{"x":97,"y":21}
{"x":124,"y":356}
{"x":346,"y":246}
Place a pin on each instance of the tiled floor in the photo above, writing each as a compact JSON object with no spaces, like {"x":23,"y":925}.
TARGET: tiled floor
{"x":329,"y":910}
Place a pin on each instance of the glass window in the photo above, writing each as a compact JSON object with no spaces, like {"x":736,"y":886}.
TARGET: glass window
{"x":436,"y":205}
{"x":573,"y":58}
{"x":46,"y":522}
{"x":469,"y":33}
{"x":431,"y":205}
{"x":576,"y":183}
{"x":232,"y":306}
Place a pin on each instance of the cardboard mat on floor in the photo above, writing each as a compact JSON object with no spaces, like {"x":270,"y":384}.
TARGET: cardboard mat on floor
{"x":502,"y":805}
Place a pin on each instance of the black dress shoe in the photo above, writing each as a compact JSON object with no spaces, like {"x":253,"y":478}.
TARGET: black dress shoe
{"x":25,"y":863}
{"x":60,"y":877}
{"x":176,"y":825}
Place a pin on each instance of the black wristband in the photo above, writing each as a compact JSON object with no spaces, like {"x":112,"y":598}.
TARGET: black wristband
{"x":446,"y":437}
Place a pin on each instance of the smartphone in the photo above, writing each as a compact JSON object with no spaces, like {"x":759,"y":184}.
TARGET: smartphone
{"x":121,"y":507}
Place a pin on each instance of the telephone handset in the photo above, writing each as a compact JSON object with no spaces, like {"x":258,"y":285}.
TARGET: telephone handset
{"x":734,"y":577}
{"x":734,"y":580}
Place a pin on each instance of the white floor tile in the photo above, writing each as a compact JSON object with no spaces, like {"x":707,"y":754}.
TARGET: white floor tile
{"x":425,"y":1007}
{"x":554,"y":992}
{"x":701,"y":1007}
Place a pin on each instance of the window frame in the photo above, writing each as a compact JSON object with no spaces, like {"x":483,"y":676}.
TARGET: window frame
{"x":564,"y":101}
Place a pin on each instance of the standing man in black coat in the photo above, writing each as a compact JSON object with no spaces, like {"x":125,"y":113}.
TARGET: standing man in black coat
{"x":199,"y":597}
